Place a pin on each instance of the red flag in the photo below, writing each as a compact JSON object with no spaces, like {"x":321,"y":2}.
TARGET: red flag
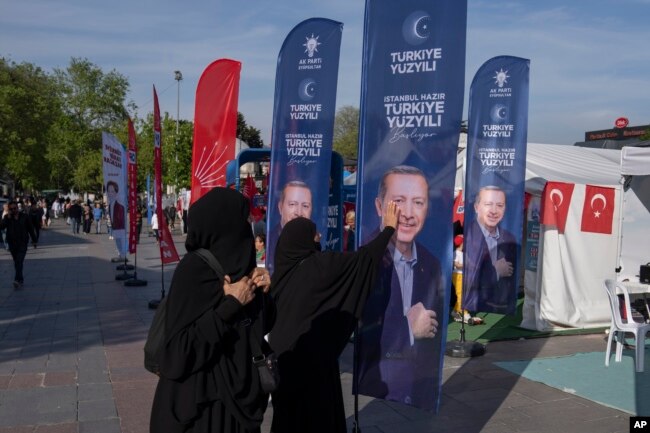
{"x":250,"y":190}
{"x":133,"y":189}
{"x":459,"y":208}
{"x":215,"y":125}
{"x":555,"y":204}
{"x":598,"y":210}
{"x":168,"y":252}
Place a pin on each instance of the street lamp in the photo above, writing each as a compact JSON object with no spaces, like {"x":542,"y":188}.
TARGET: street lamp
{"x":178,"y":76}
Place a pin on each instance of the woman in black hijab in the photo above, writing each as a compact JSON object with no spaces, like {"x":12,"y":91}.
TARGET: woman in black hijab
{"x":208,"y":382}
{"x":319,"y":297}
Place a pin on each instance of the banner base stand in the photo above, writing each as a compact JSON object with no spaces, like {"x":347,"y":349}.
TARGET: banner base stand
{"x":124,"y":268}
{"x":153,"y":304}
{"x":464,"y":349}
{"x":124,"y":276}
{"x":134,"y":282}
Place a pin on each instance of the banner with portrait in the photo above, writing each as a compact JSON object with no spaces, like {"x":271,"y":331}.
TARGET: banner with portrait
{"x":215,"y":125}
{"x":494,"y":186}
{"x":303,"y":127}
{"x":115,"y":184}
{"x":411,"y":110}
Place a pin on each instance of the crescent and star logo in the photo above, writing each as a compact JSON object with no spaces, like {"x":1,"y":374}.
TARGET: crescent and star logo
{"x":416,"y":28}
{"x":556,"y":192}
{"x":307,"y":89}
{"x":595,"y":198}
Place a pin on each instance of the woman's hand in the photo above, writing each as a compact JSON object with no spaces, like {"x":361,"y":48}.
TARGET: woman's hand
{"x":261,"y":278}
{"x":390,"y":218}
{"x":243,"y":290}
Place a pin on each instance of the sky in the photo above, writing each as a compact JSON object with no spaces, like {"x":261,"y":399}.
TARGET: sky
{"x":589,"y":59}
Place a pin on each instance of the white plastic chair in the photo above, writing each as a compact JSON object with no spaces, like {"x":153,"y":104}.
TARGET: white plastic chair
{"x":620,"y":327}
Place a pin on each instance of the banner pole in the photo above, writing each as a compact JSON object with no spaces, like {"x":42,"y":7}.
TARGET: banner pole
{"x":355,"y":378}
{"x":134,"y":282}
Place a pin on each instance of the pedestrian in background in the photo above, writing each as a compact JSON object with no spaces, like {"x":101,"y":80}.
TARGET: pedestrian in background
{"x":19,"y":229}
{"x":75,"y":213}
{"x":98,"y":215}
{"x":3,"y":232}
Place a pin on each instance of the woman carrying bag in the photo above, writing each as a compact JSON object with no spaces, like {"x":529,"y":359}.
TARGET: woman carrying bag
{"x":208,"y":382}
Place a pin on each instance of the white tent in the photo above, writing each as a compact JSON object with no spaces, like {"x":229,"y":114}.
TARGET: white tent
{"x":567,"y":290}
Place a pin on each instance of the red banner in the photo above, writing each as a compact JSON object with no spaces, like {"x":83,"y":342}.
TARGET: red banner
{"x":215,"y":125}
{"x":598,"y":210}
{"x":555,"y":204}
{"x":132,"y":165}
{"x":168,"y":252}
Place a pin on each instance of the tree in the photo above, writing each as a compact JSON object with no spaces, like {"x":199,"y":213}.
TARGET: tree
{"x":91,"y":101}
{"x":346,"y":131}
{"x":28,"y":109}
{"x":247,"y":133}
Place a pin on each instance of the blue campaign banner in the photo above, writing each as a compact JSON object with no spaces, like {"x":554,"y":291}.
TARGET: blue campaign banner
{"x":303,"y":127}
{"x":494,"y":186}
{"x":411,"y":110}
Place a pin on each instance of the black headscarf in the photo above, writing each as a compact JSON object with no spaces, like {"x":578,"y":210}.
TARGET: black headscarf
{"x":218,"y":222}
{"x":320,"y":292}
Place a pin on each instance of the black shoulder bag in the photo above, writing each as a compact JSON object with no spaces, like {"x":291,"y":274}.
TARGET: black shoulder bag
{"x":156,"y":336}
{"x":265,"y":360}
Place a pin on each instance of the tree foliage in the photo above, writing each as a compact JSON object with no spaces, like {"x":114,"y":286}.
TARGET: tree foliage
{"x":346,"y":131}
{"x":92,"y":101}
{"x":29,"y":107}
{"x":51,"y":128}
{"x":248,"y":133}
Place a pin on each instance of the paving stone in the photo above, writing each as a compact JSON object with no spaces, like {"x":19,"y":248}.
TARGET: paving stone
{"x":38,"y":406}
{"x":101,"y":426}
{"x":97,"y":410}
{"x":95,"y":391}
{"x":60,"y":378}
{"x":70,"y":427}
{"x":26,"y":380}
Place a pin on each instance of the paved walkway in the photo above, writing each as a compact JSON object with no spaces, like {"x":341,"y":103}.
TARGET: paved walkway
{"x":71,"y":357}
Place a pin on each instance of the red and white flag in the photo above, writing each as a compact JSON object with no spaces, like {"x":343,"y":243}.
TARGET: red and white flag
{"x":555,"y":204}
{"x":598,"y":210}
{"x":168,"y":252}
{"x":133,"y":188}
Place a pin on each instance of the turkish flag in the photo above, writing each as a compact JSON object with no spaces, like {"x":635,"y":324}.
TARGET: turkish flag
{"x":250,"y":190}
{"x":555,"y":204}
{"x":598,"y":210}
{"x":459,"y":209}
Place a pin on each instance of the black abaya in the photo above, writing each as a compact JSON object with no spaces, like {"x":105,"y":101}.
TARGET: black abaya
{"x":319,"y":297}
{"x":208,"y":382}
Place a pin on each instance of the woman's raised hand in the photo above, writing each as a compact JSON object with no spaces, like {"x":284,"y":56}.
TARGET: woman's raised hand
{"x":243,"y":290}
{"x":261,"y":278}
{"x":390,"y":218}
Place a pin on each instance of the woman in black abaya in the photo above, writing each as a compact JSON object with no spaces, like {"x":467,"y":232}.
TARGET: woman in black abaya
{"x":319,"y":297}
{"x":208,"y":382}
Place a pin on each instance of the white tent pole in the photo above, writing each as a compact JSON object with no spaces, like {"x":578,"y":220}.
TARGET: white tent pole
{"x":621,"y":207}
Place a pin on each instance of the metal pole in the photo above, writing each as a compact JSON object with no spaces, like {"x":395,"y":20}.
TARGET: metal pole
{"x":178,"y":76}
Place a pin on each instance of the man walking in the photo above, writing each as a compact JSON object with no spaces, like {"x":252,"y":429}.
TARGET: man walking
{"x":19,"y":229}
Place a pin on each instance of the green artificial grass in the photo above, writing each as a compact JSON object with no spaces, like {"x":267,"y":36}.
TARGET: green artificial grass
{"x":498,"y":327}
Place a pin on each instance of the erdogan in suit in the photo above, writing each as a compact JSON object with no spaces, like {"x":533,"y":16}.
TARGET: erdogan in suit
{"x":399,"y":345}
{"x":491,"y":254}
